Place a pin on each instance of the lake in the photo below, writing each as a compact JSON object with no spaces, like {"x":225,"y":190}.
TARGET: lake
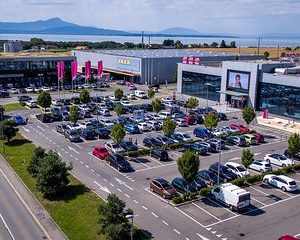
{"x":240,"y":42}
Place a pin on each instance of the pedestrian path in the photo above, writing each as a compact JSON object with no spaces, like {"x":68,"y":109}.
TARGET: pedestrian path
{"x":280,"y":123}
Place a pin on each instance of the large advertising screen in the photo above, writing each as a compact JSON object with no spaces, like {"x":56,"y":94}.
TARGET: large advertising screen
{"x":238,"y":80}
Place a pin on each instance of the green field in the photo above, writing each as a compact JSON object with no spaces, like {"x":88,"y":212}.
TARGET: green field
{"x":13,"y":107}
{"x":75,"y":212}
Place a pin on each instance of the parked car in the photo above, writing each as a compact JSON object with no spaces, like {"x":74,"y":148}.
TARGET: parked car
{"x":185,"y":136}
{"x":132,"y":128}
{"x":100,"y":152}
{"x":85,"y":125}
{"x":280,"y":181}
{"x":29,"y":89}
{"x":61,"y":128}
{"x":24,"y":98}
{"x":101,"y":133}
{"x":191,"y":120}
{"x":144,"y":127}
{"x":209,"y":177}
{"x":259,"y":137}
{"x":152,"y":142}
{"x":250,"y":139}
{"x":57,"y":102}
{"x":240,"y":127}
{"x":278,"y":159}
{"x":128,"y":145}
{"x":113,"y":147}
{"x":236,"y":140}
{"x":118,"y":162}
{"x":199,"y":183}
{"x":238,"y":169}
{"x":181,"y":122}
{"x":199,"y":149}
{"x":164,"y":114}
{"x":217,"y":143}
{"x":87,"y":134}
{"x":181,"y":103}
{"x":261,"y":166}
{"x":31,"y":103}
{"x":225,"y":173}
{"x":73,"y":126}
{"x":165,"y":140}
{"x":19,"y":120}
{"x":163,"y":188}
{"x":72,"y":136}
{"x":222,"y":116}
{"x":140,"y":94}
{"x":45,"y":118}
{"x":182,"y":186}
{"x":14,"y":91}
{"x":75,"y":100}
{"x":292,"y":156}
{"x":160,"y":154}
{"x":154,"y":125}
{"x":106,"y":122}
{"x":202,"y":133}
{"x":176,"y":138}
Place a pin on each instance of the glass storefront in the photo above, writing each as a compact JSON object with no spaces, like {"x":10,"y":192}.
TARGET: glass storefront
{"x":279,"y":99}
{"x":201,"y":85}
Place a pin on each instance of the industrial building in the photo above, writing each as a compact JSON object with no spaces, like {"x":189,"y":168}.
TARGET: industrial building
{"x":258,"y":83}
{"x":12,"y":46}
{"x":152,"y":65}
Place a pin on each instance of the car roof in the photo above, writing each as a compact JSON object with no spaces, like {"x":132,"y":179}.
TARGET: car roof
{"x":234,"y":164}
{"x":160,"y":180}
{"x":288,"y":179}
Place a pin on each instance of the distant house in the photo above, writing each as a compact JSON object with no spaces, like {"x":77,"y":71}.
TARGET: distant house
{"x":81,"y":48}
{"x":48,"y":47}
{"x":12,"y":46}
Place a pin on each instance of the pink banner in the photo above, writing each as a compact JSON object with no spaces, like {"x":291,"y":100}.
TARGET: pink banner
{"x":62,"y":70}
{"x":197,"y":61}
{"x":59,"y":71}
{"x":184,"y":60}
{"x":74,"y":70}
{"x":191,"y":60}
{"x":265,"y":113}
{"x":100,"y":69}
{"x":88,"y":69}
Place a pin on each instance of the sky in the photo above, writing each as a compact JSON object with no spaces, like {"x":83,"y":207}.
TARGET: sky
{"x":240,"y":17}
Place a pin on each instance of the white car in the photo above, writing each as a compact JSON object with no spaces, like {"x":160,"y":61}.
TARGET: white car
{"x":169,"y":104}
{"x":186,"y":137}
{"x":45,"y":89}
{"x":86,"y":85}
{"x":57,"y":102}
{"x":140,"y":94}
{"x":112,"y":97}
{"x":181,"y":122}
{"x":131,"y":97}
{"x":102,"y":106}
{"x":29,"y":89}
{"x":279,"y":160}
{"x":84,"y":125}
{"x":217,"y":132}
{"x":14,"y":90}
{"x":31,"y":104}
{"x":166,"y":100}
{"x":154,"y":125}
{"x":144,"y":127}
{"x":106,"y":122}
{"x":164,"y":115}
{"x":113,"y":147}
{"x":238,"y":169}
{"x":261,"y":166}
{"x":103,"y":112}
{"x":84,"y":108}
{"x":126,"y":103}
{"x":37,"y":89}
{"x":280,"y":181}
{"x":73,"y":126}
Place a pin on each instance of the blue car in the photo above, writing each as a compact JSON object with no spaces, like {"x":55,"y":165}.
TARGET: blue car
{"x":182,"y":186}
{"x":19,"y":120}
{"x":132,"y":128}
{"x":119,"y":162}
{"x":202,"y":133}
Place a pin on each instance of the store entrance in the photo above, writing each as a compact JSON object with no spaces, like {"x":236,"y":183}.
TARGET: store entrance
{"x":237,"y":101}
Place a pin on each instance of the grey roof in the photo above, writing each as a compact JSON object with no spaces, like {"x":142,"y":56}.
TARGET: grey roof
{"x":164,"y":53}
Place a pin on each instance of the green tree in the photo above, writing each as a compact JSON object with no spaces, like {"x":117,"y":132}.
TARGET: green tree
{"x":266,"y":54}
{"x":168,"y":127}
{"x":247,"y":157}
{"x":223,"y":44}
{"x":168,"y":43}
{"x":118,"y":109}
{"x":188,"y":165}
{"x":113,"y":221}
{"x":8,"y":129}
{"x":156,"y":105}
{"x":36,"y":41}
{"x":84,"y":96}
{"x":44,"y":99}
{"x":151,"y":93}
{"x":211,"y":121}
{"x":74,"y":114}
{"x":248,"y":115}
{"x":2,"y":109}
{"x":119,"y":93}
{"x":117,"y":133}
{"x":52,"y":175}
{"x":232,"y":44}
{"x":214,"y":44}
{"x":294,"y":144}
{"x":192,"y":102}
{"x":36,"y":159}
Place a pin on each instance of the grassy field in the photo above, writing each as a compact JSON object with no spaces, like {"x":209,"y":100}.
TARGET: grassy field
{"x":13,"y":107}
{"x":75,"y":212}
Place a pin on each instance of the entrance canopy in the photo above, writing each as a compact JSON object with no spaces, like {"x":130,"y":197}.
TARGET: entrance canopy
{"x":233,"y":93}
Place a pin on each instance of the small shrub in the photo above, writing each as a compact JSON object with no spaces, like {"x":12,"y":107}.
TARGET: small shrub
{"x":178,"y":200}
{"x":288,"y":169}
{"x":278,"y":172}
{"x":205,"y":192}
{"x":252,"y":131}
{"x":296,"y":167}
{"x":239,"y":182}
{"x":22,"y":103}
{"x":254,"y":178}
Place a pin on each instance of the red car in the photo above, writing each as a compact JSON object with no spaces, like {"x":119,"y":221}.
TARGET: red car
{"x":190,"y":120}
{"x":100,"y":152}
{"x":240,"y":127}
{"x":259,"y":137}
{"x":288,"y":237}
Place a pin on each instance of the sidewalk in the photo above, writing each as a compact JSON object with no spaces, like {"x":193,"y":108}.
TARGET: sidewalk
{"x":279,"y":123}
{"x":40,"y":215}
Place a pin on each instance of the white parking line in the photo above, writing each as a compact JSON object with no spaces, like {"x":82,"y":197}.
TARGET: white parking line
{"x":153,"y":159}
{"x":111,"y":184}
{"x":252,"y":198}
{"x":154,"y":214}
{"x":144,"y":164}
{"x":164,"y":222}
{"x":279,"y":190}
{"x":160,"y":198}
{"x":259,"y":191}
{"x":176,"y":231}
{"x":189,"y":217}
{"x":92,"y":170}
{"x":144,"y":207}
{"x":206,"y":211}
{"x":215,"y":202}
{"x":86,"y":166}
{"x":127,"y":195}
{"x":135,"y":201}
{"x":164,"y":165}
{"x":177,"y":154}
{"x":81,"y":162}
{"x":119,"y":190}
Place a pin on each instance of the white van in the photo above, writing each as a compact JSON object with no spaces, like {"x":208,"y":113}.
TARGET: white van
{"x":164,"y":115}
{"x":140,"y":94}
{"x":231,"y":195}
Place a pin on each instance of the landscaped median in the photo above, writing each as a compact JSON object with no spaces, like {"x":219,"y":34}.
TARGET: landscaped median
{"x":14,"y":106}
{"x":75,"y":211}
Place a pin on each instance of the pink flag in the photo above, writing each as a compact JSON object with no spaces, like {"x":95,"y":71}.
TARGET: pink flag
{"x":88,"y":69}
{"x":59,"y":71}
{"x":191,"y":60}
{"x":184,"y":60}
{"x":197,"y":61}
{"x":100,"y":69}
{"x":62,"y":70}
{"x":74,"y":70}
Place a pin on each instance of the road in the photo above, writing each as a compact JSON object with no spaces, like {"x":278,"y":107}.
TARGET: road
{"x":16,"y":222}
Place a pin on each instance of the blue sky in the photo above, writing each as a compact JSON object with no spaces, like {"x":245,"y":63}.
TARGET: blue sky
{"x":206,"y":16}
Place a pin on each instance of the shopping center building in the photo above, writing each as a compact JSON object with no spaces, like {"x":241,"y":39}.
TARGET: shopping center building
{"x":257,"y":83}
{"x":149,"y":66}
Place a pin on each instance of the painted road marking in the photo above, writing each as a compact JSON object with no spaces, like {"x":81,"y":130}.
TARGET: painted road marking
{"x":164,"y":165}
{"x":144,"y":207}
{"x":111,"y":184}
{"x":160,"y":198}
{"x":135,"y":201}
{"x":154,"y":214}
{"x":127,"y":195}
{"x":206,"y":211}
{"x":167,"y":224}
{"x":86,"y":166}
{"x":105,"y":189}
{"x":175,"y":230}
{"x":119,"y":190}
{"x":252,"y":198}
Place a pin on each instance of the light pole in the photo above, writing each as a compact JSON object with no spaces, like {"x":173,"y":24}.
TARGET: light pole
{"x":130,"y":216}
{"x":219,"y":159}
{"x":207,"y":85}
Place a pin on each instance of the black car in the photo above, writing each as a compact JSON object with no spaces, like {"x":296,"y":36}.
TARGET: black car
{"x":147,"y":107}
{"x":164,"y":140}
{"x":85,"y":114}
{"x":181,"y":103}
{"x":225,"y":173}
{"x":4,"y":94}
{"x":177,"y":138}
{"x":128,"y":145}
{"x":222,"y":116}
{"x":96,"y":99}
{"x":182,"y":186}
{"x":110,"y":105}
{"x":217,"y":143}
{"x":196,"y":148}
{"x":66,"y":101}
{"x":87,"y":134}
{"x":57,"y":117}
{"x":151,"y":142}
{"x":45,"y":118}
{"x":118,"y":161}
{"x":121,"y":82}
{"x":295,"y":156}
{"x":24,"y":98}
{"x":102,"y":133}
{"x":75,"y":100}
{"x":160,"y":154}
{"x":61,"y":128}
{"x":65,"y":116}
{"x":199,"y":182}
{"x":236,"y":140}
{"x":210,"y":147}
{"x":72,"y":135}
{"x":199,"y":118}
{"x":209,"y":177}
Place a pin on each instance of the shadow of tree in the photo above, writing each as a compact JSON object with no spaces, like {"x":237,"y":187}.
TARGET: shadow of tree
{"x":17,"y":142}
{"x":71,"y":192}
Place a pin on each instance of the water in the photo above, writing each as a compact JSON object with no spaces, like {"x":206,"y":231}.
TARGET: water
{"x":240,"y":42}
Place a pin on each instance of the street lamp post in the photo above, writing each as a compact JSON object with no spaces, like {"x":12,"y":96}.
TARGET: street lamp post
{"x":207,"y":85}
{"x":129,"y":216}
{"x":219,"y":159}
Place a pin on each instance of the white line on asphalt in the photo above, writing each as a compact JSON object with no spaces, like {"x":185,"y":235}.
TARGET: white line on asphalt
{"x":235,"y":158}
{"x":255,"y":154}
{"x":76,"y":158}
{"x":144,"y":164}
{"x":165,"y":223}
{"x":77,"y":145}
{"x":297,"y":235}
{"x":44,"y":124}
{"x":189,"y":217}
{"x":145,"y":169}
{"x":119,"y":190}
{"x":105,"y":189}
{"x":202,"y":237}
{"x":7,"y":228}
{"x":176,"y":231}
{"x":71,"y":155}
{"x":41,"y":128}
{"x":92,"y":170}
{"x":98,"y":175}
{"x":123,"y":183}
{"x":177,"y":154}
{"x":135,"y":201}
{"x":111,"y":184}
{"x":66,"y":152}
{"x":72,"y":149}
{"x":127,"y":195}
{"x":215,"y":202}
{"x":259,"y":191}
{"x":155,"y":195}
{"x":252,"y":198}
{"x":86,"y":166}
{"x":25,"y":129}
{"x":279,"y":190}
{"x":144,"y":207}
{"x":81,"y":162}
{"x":206,"y":211}
{"x":187,"y":239}
{"x":105,"y":179}
{"x":153,"y":159}
{"x":59,"y":153}
{"x":154,"y":214}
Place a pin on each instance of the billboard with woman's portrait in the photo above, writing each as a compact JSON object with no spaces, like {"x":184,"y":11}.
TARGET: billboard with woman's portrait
{"x":238,"y":80}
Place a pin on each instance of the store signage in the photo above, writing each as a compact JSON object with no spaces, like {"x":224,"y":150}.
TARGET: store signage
{"x":128,"y":64}
{"x":184,"y":60}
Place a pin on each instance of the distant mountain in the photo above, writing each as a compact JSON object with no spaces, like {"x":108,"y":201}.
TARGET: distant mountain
{"x":54,"y":26}
{"x":179,"y":31}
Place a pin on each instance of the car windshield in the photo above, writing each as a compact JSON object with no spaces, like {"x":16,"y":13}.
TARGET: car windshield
{"x":282,"y":158}
{"x":166,"y":185}
{"x":210,"y":174}
{"x":244,"y":197}
{"x":73,"y":134}
{"x":102,"y":150}
{"x":292,"y":183}
{"x":268,"y":165}
{"x":115,"y":145}
{"x":240,"y":168}
{"x":186,"y":135}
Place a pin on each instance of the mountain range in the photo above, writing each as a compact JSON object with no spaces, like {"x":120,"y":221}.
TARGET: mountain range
{"x":59,"y":26}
